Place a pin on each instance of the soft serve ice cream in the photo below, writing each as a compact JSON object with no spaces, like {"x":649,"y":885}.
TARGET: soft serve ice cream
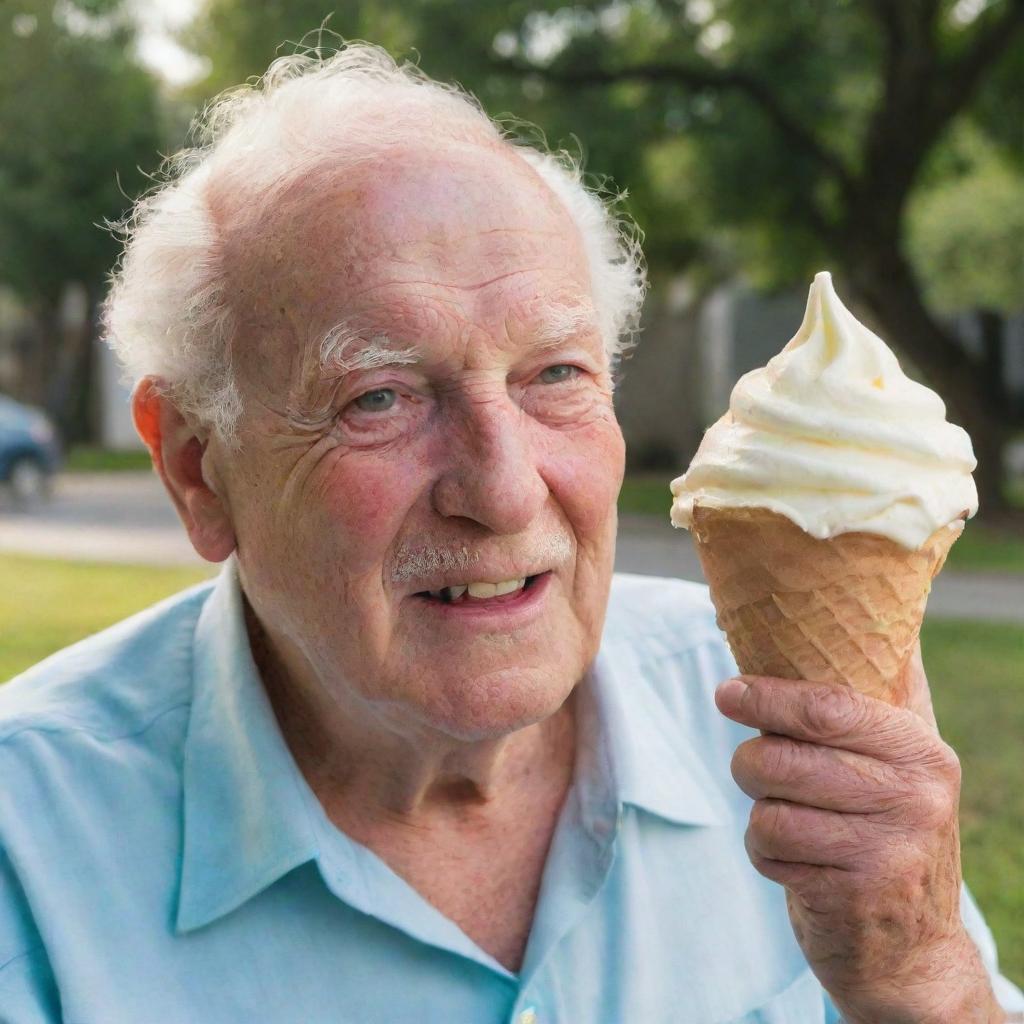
{"x":834,"y":436}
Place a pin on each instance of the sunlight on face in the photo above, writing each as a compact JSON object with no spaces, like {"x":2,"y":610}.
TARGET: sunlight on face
{"x":486,"y":450}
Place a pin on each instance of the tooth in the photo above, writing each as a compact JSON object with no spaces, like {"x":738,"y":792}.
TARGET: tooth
{"x":482,"y":589}
{"x":508,"y":586}
{"x":454,"y":592}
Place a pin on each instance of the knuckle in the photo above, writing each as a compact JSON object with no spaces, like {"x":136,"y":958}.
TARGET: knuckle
{"x":831,"y":711}
{"x":922,"y":808}
{"x":948,"y":763}
{"x":933,"y":806}
{"x":779,"y":758}
{"x":767,"y":817}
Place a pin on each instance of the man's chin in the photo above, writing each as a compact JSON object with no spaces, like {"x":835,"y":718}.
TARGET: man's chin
{"x":491,"y":707}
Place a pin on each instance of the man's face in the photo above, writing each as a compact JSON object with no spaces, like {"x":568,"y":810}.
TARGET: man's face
{"x":492,"y":458}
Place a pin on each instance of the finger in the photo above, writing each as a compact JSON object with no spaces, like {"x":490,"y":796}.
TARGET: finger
{"x":832,"y":715}
{"x":782,"y":831}
{"x":919,"y":696}
{"x":826,"y":777}
{"x":796,"y":876}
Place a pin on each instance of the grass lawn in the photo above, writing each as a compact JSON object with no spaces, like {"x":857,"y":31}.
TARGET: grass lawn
{"x":976,"y":670}
{"x":90,"y":459}
{"x":47,"y":604}
{"x":980,"y":549}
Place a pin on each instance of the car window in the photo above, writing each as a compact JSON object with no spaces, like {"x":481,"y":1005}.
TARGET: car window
{"x":12,"y":415}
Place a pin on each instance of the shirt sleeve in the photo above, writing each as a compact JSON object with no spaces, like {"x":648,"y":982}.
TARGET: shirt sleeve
{"x":1010,"y":998}
{"x":28,"y":993}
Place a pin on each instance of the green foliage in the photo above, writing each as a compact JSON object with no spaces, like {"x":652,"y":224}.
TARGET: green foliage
{"x":84,"y":458}
{"x":77,"y":119}
{"x":975,"y":670}
{"x":966,"y":231}
{"x":707,"y":167}
{"x":47,"y":604}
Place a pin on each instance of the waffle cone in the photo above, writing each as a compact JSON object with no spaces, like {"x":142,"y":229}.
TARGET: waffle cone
{"x":843,"y":610}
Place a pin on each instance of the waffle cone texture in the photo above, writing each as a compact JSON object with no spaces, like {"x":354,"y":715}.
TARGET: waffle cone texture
{"x":843,"y":610}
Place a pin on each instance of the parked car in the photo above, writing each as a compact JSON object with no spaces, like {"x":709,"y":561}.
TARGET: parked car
{"x":29,"y":451}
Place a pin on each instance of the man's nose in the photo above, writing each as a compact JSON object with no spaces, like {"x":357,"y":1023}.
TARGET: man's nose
{"x":491,"y":471}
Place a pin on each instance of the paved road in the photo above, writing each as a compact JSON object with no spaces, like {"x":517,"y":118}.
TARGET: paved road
{"x":105,"y":517}
{"x":660,"y":550}
{"x":127,"y":517}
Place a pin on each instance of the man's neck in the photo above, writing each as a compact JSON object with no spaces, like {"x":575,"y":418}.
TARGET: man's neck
{"x":372,"y":774}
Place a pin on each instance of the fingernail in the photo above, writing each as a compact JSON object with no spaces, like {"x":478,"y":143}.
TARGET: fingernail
{"x":730,"y":692}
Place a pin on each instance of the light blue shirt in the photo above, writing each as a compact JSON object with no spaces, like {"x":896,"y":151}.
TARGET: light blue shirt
{"x":163,"y":861}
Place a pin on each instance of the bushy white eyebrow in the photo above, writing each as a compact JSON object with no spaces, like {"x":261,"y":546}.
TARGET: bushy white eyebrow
{"x":345,"y":348}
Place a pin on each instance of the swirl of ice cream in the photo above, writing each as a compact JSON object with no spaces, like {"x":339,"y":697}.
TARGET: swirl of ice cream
{"x":833,"y":435}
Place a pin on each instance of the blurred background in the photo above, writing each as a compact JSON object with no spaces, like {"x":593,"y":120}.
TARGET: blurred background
{"x":756,"y":144}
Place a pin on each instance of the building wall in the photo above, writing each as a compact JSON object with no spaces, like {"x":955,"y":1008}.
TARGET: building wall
{"x":116,"y":428}
{"x":658,"y":399}
{"x":693,"y":349}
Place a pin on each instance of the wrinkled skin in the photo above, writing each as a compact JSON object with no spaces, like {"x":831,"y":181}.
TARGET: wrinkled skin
{"x":446,"y":750}
{"x":478,"y":450}
{"x":450,"y":754}
{"x":430,"y":743}
{"x":855,"y":813}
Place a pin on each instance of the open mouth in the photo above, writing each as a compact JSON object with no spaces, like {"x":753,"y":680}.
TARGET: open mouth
{"x":461,"y":595}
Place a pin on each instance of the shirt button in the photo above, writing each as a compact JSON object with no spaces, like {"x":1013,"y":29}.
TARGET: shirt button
{"x":528,"y":1016}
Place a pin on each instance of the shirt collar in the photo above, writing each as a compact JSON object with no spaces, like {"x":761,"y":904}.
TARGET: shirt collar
{"x":653,"y":763}
{"x":245,"y":820}
{"x":245,"y":823}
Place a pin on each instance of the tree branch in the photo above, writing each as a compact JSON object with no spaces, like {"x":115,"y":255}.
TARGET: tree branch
{"x":922,"y":94}
{"x":695,"y":77}
{"x":989,"y":43}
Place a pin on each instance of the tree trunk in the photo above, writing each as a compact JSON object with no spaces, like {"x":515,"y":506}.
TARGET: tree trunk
{"x":70,"y":388}
{"x":71,"y":397}
{"x":36,"y":353}
{"x":992,"y":324}
{"x":882,"y":280}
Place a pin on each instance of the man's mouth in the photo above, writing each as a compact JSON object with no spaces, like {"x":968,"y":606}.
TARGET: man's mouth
{"x":493,"y":593}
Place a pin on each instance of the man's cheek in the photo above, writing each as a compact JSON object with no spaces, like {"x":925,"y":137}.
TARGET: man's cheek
{"x":360,"y":516}
{"x":587,"y":477}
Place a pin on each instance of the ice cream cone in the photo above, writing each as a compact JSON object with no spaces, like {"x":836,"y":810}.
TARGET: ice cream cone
{"x":843,"y":610}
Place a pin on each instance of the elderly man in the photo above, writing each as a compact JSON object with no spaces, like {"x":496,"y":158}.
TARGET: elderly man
{"x":417,"y":755}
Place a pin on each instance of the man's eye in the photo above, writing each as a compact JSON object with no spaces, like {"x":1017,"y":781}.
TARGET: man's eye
{"x":559,"y":373}
{"x":378,"y":400}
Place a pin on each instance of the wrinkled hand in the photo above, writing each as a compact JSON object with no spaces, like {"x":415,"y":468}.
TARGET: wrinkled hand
{"x":855,"y":813}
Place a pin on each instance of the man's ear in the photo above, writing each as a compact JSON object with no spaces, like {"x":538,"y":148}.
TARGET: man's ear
{"x":177,"y":451}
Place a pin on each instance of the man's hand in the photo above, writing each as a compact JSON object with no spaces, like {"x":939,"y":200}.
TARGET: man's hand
{"x":855,"y":814}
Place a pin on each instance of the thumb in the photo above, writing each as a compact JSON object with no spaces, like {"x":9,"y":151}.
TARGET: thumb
{"x":919,"y":697}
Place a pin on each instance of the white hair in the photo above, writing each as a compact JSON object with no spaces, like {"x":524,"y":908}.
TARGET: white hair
{"x":168,"y":313}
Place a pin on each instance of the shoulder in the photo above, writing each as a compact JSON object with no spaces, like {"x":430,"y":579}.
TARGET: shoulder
{"x":659,"y":613}
{"x":112,"y":683}
{"x":87,"y":736}
{"x":662,"y":644}
{"x":26,"y":981}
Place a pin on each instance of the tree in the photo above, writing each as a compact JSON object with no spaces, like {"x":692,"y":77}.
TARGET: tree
{"x":815,"y":129}
{"x":966,"y":237}
{"x":799,"y":133}
{"x":77,"y":119}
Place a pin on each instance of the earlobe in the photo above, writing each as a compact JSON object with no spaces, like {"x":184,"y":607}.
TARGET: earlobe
{"x":178,"y":451}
